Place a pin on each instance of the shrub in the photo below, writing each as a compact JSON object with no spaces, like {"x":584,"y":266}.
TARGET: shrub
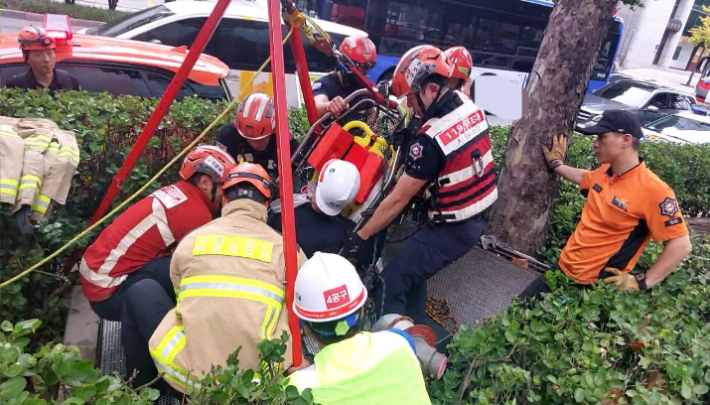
{"x":590,"y":346}
{"x":33,"y":378}
{"x":72,"y":10}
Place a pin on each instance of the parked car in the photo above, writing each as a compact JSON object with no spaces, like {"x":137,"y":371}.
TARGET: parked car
{"x":121,"y":66}
{"x":647,"y":101}
{"x":679,"y":128}
{"x":241,"y":39}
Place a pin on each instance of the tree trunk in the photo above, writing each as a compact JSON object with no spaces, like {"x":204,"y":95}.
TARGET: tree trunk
{"x":555,"y":90}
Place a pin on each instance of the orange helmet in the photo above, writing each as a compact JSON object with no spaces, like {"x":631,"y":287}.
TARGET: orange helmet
{"x":416,"y":65}
{"x":255,"y":117}
{"x":209,"y":160}
{"x":360,"y":50}
{"x":461,"y":62}
{"x":251,"y":173}
{"x":32,"y":38}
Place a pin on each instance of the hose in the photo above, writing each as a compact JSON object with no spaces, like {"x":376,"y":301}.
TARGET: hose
{"x":162,"y":171}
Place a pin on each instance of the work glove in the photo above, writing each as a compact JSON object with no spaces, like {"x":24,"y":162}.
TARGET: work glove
{"x":401,"y":138}
{"x":555,"y":156}
{"x":626,"y":281}
{"x":353,"y":247}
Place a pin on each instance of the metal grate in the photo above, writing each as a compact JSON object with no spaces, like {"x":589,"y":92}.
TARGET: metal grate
{"x":477,"y":286}
{"x":112,"y":359}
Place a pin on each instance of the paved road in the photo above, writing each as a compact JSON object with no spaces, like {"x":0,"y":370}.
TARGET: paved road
{"x":10,"y":25}
{"x":124,"y":5}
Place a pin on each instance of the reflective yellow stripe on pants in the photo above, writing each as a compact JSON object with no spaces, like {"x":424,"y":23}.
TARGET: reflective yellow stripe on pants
{"x":41,"y":204}
{"x":9,"y":186}
{"x":164,"y":357}
{"x":240,"y":288}
{"x":30,"y":181}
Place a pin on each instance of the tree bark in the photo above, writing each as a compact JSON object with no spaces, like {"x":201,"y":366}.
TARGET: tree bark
{"x":555,"y":90}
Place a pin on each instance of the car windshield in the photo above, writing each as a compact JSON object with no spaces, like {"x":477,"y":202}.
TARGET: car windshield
{"x":631,"y":94}
{"x":680,"y":127}
{"x":125,"y":24}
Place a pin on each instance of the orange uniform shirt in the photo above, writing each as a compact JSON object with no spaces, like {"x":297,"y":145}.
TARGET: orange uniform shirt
{"x":621,"y":214}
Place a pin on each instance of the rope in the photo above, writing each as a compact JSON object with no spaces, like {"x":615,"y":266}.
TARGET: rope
{"x":162,"y":171}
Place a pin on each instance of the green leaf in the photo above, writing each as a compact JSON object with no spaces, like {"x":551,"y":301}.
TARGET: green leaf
{"x":150,"y":394}
{"x":685,"y":390}
{"x":73,"y":401}
{"x":6,"y":326}
{"x":12,"y":388}
{"x":579,"y":395}
{"x":700,"y":389}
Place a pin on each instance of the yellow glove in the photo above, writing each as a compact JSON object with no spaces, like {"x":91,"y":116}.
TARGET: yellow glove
{"x":626,"y":281}
{"x":556,"y":155}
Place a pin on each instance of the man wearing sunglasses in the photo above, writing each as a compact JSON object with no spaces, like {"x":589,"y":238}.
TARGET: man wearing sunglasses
{"x":330,"y":90}
{"x":39,"y":51}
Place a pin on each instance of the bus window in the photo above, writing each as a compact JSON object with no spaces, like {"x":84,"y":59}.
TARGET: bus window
{"x":607,"y":52}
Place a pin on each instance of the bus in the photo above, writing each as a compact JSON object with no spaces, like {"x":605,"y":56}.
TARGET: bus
{"x":503,"y":36}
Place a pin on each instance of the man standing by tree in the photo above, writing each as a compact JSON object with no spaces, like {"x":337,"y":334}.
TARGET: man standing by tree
{"x":626,"y":206}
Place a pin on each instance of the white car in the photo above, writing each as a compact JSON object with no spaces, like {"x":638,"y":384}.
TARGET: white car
{"x":681,"y":128}
{"x":241,"y":39}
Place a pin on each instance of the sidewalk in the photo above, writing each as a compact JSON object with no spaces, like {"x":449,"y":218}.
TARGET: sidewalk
{"x":672,"y":78}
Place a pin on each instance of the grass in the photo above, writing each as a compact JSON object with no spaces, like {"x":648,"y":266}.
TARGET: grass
{"x":72,"y":10}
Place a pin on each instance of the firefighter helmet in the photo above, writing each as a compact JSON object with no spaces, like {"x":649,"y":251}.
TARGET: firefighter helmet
{"x":327,"y":288}
{"x":251,"y":173}
{"x":461,"y":62}
{"x":33,"y":38}
{"x":209,"y":160}
{"x":255,"y":117}
{"x":360,"y":50}
{"x":416,"y":65}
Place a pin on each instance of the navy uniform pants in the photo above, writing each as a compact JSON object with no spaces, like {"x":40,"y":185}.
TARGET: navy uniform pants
{"x":429,"y":250}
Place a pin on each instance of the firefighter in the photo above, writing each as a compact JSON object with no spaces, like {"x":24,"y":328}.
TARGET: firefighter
{"x":319,"y":226}
{"x":135,"y":246}
{"x":626,"y":205}
{"x":450,"y":160}
{"x":39,"y":51}
{"x":230,"y":277}
{"x":461,"y":63}
{"x":249,"y":138}
{"x":352,"y":367}
{"x":330,"y":90}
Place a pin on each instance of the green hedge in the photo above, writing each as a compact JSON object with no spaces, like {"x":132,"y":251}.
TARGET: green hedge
{"x":572,"y":346}
{"x":72,"y":10}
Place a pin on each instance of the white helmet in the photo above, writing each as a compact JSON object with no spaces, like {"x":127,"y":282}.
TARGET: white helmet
{"x":327,"y":288}
{"x":338,"y":184}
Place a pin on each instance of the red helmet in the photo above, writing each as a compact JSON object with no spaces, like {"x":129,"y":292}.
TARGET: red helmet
{"x":251,"y":173}
{"x":416,"y":65}
{"x":461,"y":62}
{"x":209,"y":160}
{"x":360,"y":50}
{"x":32,"y":38}
{"x":255,"y":117}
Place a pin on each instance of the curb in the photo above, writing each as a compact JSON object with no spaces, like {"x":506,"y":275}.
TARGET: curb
{"x":21,"y":15}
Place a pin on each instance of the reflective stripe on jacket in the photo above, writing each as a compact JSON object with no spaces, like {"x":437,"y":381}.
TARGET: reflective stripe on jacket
{"x":466,"y":186}
{"x":12,"y":151}
{"x":369,"y":368}
{"x":142,"y":233}
{"x":230,"y":281}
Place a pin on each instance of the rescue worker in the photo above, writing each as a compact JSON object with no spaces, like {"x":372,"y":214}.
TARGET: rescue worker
{"x":352,"y":367}
{"x":627,"y":204}
{"x":136,"y":245}
{"x":319,"y":226}
{"x":450,"y":160}
{"x":330,"y":90}
{"x":39,"y":51}
{"x":230,"y":277}
{"x":249,"y":138}
{"x":461,"y":63}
